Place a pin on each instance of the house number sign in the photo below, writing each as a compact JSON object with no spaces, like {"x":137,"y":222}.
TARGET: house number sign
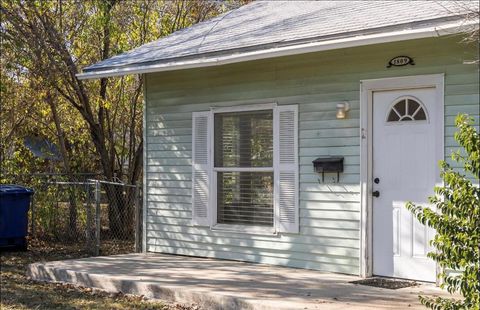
{"x":400,"y":61}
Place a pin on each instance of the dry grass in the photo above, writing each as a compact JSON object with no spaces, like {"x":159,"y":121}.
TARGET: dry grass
{"x":19,"y":292}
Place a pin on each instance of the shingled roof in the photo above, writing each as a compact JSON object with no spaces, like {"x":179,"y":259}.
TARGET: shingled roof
{"x":264,"y":29}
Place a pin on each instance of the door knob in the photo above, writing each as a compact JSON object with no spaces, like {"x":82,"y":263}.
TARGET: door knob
{"x":376,"y":194}
{"x":376,"y":180}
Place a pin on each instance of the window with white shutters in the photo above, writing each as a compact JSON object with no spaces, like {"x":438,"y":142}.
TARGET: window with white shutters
{"x":245,"y":170}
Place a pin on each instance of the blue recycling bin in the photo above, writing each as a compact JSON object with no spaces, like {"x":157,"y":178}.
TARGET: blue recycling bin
{"x":14,"y":205}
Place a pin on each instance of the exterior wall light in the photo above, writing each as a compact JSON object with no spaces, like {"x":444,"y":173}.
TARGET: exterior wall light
{"x":342,"y":109}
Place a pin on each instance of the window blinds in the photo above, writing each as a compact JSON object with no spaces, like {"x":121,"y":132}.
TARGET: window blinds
{"x":244,"y":140}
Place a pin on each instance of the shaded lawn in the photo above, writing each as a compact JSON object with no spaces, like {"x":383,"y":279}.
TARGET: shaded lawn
{"x":18,"y":292}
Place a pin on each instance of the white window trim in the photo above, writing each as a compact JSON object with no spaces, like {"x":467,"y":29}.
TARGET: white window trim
{"x":243,"y":169}
{"x":248,"y":229}
{"x":245,"y":108}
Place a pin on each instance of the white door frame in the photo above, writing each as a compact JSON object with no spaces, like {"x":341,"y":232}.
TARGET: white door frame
{"x":367,"y":88}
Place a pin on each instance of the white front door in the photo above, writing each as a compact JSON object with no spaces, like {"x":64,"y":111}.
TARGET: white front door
{"x":404,"y":169}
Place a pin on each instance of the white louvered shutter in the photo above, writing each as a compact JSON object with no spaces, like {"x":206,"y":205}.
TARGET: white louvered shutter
{"x":200,"y":168}
{"x":286,"y":169}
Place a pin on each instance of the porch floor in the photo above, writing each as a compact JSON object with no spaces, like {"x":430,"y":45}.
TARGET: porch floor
{"x":223,"y":284}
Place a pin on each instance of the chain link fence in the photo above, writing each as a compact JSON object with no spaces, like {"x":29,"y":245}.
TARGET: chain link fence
{"x":103,"y":217}
{"x":118,"y":214}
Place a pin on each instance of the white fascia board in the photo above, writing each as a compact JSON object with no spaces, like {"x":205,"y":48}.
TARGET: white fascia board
{"x":387,"y":37}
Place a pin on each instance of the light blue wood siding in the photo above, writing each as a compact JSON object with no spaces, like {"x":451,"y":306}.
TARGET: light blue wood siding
{"x":329,"y":212}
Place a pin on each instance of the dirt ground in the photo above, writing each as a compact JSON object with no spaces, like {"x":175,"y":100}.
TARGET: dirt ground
{"x":18,"y":292}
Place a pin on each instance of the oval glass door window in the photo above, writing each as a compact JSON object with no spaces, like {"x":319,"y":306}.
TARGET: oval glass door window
{"x":407,"y":109}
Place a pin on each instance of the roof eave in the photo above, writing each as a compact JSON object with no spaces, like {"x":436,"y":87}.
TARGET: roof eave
{"x":387,"y":37}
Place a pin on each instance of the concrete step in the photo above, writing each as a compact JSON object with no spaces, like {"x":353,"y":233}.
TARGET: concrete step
{"x":223,"y":285}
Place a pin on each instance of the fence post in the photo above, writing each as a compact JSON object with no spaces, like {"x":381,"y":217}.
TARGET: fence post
{"x":88,"y":204}
{"x":138,"y":225}
{"x":97,"y":217}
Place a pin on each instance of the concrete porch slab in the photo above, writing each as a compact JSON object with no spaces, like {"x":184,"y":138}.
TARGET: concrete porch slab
{"x":221,"y":284}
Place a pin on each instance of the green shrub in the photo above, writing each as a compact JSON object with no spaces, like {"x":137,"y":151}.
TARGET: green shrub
{"x":456,"y":220}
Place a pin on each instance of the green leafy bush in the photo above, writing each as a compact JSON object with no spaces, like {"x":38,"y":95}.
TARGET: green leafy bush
{"x":456,"y":220}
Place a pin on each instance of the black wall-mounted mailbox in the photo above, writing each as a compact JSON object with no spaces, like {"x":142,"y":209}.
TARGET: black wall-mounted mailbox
{"x":328,"y":164}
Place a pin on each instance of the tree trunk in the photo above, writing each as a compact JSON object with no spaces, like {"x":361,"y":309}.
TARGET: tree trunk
{"x":72,"y":214}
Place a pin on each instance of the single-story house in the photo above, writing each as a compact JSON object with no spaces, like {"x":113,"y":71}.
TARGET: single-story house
{"x":292,"y":133}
